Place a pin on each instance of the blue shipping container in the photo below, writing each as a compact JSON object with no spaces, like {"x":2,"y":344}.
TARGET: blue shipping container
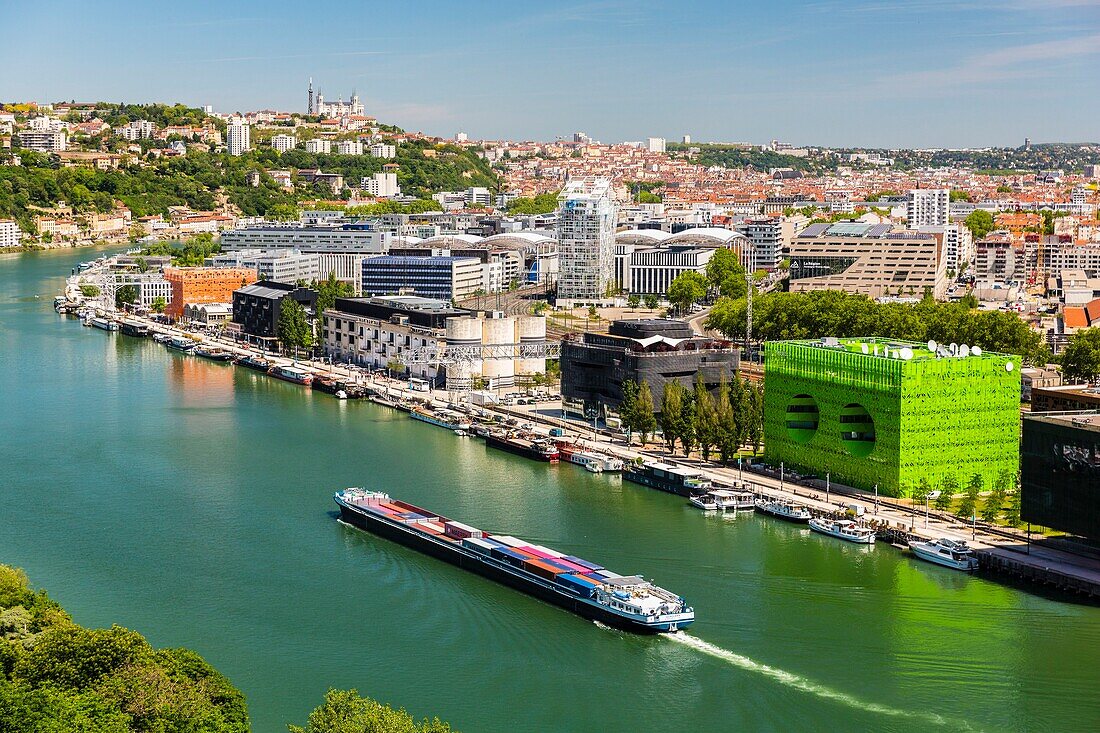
{"x":583,"y":563}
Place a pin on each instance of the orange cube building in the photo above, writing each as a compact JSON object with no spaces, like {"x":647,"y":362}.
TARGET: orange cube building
{"x":193,"y":285}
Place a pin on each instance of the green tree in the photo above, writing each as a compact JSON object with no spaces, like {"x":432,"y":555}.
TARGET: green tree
{"x":1012,"y":513}
{"x":126,"y":295}
{"x":283,"y":212}
{"x":89,"y":291}
{"x":544,"y":203}
{"x":969,"y":504}
{"x":727,"y":438}
{"x":293,"y":329}
{"x":651,"y":301}
{"x":137,"y":231}
{"x":979,"y":222}
{"x":686,"y":289}
{"x":645,"y":421}
{"x":686,"y":433}
{"x":921,"y":491}
{"x":706,"y":419}
{"x":948,"y":489}
{"x":993,"y":505}
{"x":671,"y":413}
{"x":142,"y":264}
{"x":328,"y":290}
{"x":628,"y":406}
{"x":344,"y":711}
{"x":725,"y":275}
{"x":1081,"y":357}
{"x":754,"y":420}
{"x":633,"y":301}
{"x":159,"y":304}
{"x":957,"y":195}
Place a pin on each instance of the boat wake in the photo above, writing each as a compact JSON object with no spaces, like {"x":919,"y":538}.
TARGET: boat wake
{"x":805,"y":685}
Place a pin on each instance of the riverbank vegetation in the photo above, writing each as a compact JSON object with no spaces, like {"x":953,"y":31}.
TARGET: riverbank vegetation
{"x":778,"y":316}
{"x":344,"y":711}
{"x":58,"y":677}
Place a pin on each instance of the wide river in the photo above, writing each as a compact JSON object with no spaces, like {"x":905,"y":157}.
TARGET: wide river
{"x":192,"y":501}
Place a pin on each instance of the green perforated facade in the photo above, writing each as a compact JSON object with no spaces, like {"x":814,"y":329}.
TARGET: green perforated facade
{"x":873,"y":411}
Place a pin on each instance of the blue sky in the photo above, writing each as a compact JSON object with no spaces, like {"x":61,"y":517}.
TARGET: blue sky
{"x":829,"y":72}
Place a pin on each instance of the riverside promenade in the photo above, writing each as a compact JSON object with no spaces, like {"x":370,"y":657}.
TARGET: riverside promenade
{"x":1005,"y":553}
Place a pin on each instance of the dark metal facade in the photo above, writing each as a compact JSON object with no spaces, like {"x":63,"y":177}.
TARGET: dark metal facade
{"x":1060,"y":473}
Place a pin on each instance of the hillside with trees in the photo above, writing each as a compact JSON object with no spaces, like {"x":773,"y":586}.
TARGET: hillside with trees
{"x":203,"y":179}
{"x":740,"y":156}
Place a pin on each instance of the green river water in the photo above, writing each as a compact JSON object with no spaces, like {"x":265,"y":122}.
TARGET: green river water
{"x":192,"y":501}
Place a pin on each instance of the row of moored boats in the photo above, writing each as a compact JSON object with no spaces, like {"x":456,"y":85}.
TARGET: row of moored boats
{"x":949,"y":553}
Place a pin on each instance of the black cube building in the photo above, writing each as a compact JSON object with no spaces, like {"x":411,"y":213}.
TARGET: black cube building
{"x":256,"y":307}
{"x":656,"y":351}
{"x":1060,"y":472}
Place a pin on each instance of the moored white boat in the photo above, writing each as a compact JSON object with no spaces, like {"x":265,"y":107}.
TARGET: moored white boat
{"x":782,"y":509}
{"x":946,"y":552}
{"x":843,"y":529}
{"x":727,"y":499}
{"x":705,"y":502}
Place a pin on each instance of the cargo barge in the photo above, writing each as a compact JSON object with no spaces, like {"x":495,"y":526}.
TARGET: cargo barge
{"x":592,"y":460}
{"x":213,"y":354}
{"x":580,"y":586}
{"x":253,"y":362}
{"x":138,"y":330}
{"x":105,"y":324}
{"x":441,"y":419}
{"x":181,"y":343}
{"x":668,"y":478}
{"x":538,"y":450}
{"x":292,"y":374}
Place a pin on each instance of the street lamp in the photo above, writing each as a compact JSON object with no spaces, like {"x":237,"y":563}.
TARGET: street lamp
{"x":930,"y":496}
{"x":781,"y":475}
{"x":876,"y":499}
{"x":826,"y":487}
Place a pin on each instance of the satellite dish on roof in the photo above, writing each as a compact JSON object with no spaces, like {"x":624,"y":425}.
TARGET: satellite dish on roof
{"x":964,"y":351}
{"x":906,"y":353}
{"x":954,"y":348}
{"x":864,"y":348}
{"x":976,"y":350}
{"x":1008,"y":366}
{"x":932,"y":346}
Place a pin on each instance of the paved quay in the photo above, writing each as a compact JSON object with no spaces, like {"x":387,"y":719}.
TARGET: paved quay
{"x":1004,"y":552}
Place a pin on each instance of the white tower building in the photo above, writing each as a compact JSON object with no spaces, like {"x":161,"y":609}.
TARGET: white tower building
{"x":237,"y":137}
{"x":586,"y":239}
{"x":928,"y":207}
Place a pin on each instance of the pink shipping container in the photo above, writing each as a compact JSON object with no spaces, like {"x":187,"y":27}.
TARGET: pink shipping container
{"x":536,"y":552}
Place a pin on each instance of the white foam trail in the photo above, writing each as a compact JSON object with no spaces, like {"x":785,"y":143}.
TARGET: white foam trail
{"x":801,"y":683}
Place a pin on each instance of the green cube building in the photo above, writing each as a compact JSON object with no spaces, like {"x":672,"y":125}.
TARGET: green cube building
{"x":879,"y":411}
